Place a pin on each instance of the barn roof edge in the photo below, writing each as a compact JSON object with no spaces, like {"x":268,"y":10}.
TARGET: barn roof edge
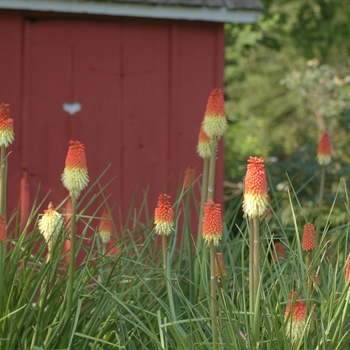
{"x":211,"y":11}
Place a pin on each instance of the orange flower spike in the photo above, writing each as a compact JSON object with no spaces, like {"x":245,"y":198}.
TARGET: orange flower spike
{"x":164,"y":216}
{"x":255,"y":200}
{"x":309,"y":237}
{"x":75,"y":175}
{"x":105,"y":227}
{"x":3,"y":230}
{"x":204,"y":144}
{"x":279,"y":255}
{"x":215,"y":123}
{"x":212,"y":222}
{"x":324,"y":150}
{"x":295,"y":316}
{"x":220,"y":266}
{"x":6,"y":126}
{"x":347,"y":271}
{"x":189,"y":177}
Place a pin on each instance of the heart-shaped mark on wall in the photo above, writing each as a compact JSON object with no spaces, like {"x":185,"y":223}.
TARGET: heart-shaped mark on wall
{"x":71,"y":107}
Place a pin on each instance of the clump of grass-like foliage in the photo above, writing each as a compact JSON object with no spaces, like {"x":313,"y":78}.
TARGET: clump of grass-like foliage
{"x":120,"y":300}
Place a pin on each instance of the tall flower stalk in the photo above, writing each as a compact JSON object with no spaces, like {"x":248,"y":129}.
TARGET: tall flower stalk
{"x":3,"y":236}
{"x":308,"y":244}
{"x":255,"y":203}
{"x":164,"y":226}
{"x":214,"y":126}
{"x":323,"y":158}
{"x":187,"y":239}
{"x":204,"y":151}
{"x":6,"y":138}
{"x":74,"y":178}
{"x":212,"y":234}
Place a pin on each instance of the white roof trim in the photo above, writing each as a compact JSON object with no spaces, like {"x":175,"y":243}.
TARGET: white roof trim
{"x":134,"y":10}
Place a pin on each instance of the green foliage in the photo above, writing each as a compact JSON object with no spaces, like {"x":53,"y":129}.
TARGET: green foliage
{"x":121,"y":299}
{"x":287,"y":82}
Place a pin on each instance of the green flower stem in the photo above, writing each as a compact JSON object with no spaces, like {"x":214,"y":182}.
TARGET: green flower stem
{"x":167,"y":276}
{"x":72,"y":259}
{"x":320,"y":200}
{"x":256,"y":277}
{"x":310,"y":283}
{"x":187,"y":240}
{"x":3,"y":177}
{"x":210,"y":195}
{"x":251,"y":273}
{"x":200,"y":247}
{"x":214,"y":326}
{"x":212,"y":168}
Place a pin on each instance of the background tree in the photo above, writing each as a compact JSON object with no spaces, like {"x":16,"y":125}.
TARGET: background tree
{"x":287,"y":80}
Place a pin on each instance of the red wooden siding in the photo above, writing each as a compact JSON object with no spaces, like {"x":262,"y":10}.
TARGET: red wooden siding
{"x":143,"y":86}
{"x":11,"y":92}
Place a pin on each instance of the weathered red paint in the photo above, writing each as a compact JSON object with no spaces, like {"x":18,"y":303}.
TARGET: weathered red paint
{"x":143,"y":86}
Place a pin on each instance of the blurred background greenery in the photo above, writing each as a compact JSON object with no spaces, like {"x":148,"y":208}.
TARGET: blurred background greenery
{"x":287,"y":82}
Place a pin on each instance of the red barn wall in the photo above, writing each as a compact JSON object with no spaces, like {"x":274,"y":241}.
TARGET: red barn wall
{"x":143,"y":86}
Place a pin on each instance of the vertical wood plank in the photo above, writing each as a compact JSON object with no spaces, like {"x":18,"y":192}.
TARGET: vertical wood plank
{"x":145,"y":108}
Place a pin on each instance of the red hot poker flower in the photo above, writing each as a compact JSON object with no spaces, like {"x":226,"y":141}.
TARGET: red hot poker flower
{"x":75,"y":175}
{"x":220,"y":266}
{"x":255,"y":200}
{"x":204,"y":144}
{"x":309,"y":237}
{"x":105,"y":227}
{"x":164,"y":216}
{"x":279,"y":255}
{"x":189,"y":177}
{"x":214,"y":123}
{"x":3,"y":230}
{"x":295,"y":317}
{"x":347,"y":271}
{"x":6,"y":126}
{"x":324,"y":150}
{"x":50,"y":226}
{"x":212,"y":222}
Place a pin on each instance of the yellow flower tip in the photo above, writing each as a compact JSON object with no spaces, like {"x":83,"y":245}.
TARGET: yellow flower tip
{"x":215,"y":123}
{"x":256,"y":200}
{"x":204,"y":144}
{"x":220,"y":266}
{"x":164,"y":216}
{"x":75,"y":175}
{"x":324,"y":150}
{"x":50,"y":225}
{"x":7,"y":135}
{"x":295,"y":317}
{"x":254,"y":205}
{"x":105,"y":227}
{"x":3,"y":229}
{"x":212,"y":223}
